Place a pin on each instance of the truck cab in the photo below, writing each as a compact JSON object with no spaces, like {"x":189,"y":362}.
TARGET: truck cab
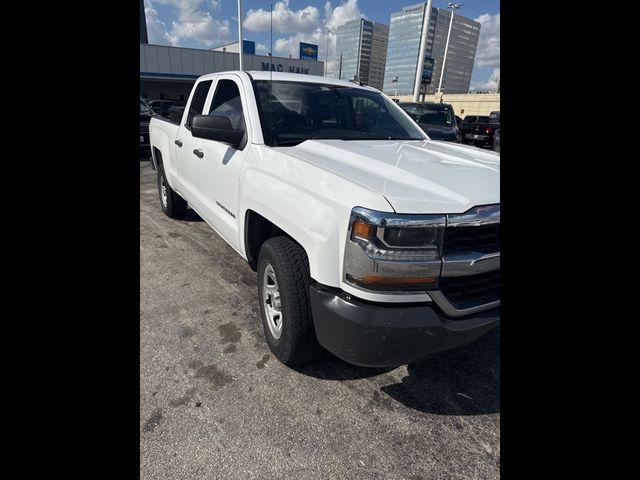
{"x":368,"y":239}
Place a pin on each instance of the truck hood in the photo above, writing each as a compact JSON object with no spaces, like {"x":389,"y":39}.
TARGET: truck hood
{"x":414,"y":176}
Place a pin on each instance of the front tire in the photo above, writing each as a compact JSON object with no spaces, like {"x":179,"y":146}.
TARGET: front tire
{"x":173,"y":205}
{"x":283,"y":293}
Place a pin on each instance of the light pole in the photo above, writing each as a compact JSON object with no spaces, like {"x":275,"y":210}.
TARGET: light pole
{"x":422,"y":50}
{"x":240,"y":32}
{"x":326,"y":58}
{"x":453,"y":7}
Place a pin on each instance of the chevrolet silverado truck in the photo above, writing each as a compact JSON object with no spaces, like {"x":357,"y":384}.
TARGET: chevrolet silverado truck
{"x":369,"y":239}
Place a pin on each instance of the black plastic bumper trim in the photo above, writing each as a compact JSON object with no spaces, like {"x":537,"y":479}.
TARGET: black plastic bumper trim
{"x":376,"y":335}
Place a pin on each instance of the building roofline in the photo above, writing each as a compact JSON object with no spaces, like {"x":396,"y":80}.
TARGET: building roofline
{"x":230,"y":43}
{"x":231,"y":53}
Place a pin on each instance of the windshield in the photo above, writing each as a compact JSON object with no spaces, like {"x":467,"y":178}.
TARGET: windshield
{"x":144,"y":108}
{"x":292,"y":112}
{"x":431,"y":115}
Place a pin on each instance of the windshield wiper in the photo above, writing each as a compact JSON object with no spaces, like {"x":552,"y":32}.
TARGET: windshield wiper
{"x":289,"y":142}
{"x":381,"y":138}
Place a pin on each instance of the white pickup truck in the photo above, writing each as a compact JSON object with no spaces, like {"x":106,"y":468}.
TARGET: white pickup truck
{"x":368,"y":238}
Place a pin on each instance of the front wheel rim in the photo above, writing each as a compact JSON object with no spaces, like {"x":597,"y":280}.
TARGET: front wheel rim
{"x":272,"y":302}
{"x":163,"y":192}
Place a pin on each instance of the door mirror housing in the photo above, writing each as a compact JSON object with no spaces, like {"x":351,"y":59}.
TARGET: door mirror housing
{"x":216,"y":128}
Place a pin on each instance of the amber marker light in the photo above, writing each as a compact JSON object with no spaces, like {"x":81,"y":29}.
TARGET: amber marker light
{"x":363,"y":230}
{"x":373,"y":281}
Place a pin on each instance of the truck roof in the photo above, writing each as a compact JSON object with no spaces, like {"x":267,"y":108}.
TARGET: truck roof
{"x":291,"y":77}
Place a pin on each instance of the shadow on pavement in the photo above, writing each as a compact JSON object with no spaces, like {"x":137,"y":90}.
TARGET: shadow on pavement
{"x":191,"y":216}
{"x":465,"y":381}
{"x":330,"y":367}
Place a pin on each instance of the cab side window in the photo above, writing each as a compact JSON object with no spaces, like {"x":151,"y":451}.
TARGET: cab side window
{"x":197,"y":102}
{"x":226,"y":103}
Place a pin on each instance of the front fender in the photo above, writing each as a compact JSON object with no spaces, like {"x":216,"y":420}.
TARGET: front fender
{"x":310,"y":204}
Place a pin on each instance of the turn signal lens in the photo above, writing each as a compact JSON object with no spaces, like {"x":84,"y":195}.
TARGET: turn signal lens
{"x":384,"y":283}
{"x":363,"y":230}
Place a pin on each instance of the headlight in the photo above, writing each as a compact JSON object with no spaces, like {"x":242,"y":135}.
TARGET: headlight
{"x":386,"y":251}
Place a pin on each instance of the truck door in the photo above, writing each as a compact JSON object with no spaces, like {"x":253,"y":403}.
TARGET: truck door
{"x":184,"y":142}
{"x":217,"y":166}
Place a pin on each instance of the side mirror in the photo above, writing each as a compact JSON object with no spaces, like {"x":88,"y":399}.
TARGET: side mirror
{"x":216,"y":128}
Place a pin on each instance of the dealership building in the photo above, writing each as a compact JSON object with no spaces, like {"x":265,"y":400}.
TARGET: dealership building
{"x":170,"y":72}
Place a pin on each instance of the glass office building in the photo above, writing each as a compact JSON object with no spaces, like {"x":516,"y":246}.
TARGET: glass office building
{"x":363,"y":47}
{"x":405,"y":32}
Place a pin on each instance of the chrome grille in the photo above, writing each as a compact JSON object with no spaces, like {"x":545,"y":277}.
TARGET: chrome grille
{"x":470,"y":278}
{"x":471,"y":291}
{"x":483,"y":239}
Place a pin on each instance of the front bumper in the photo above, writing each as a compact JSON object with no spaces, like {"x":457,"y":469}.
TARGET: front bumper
{"x":379,"y":335}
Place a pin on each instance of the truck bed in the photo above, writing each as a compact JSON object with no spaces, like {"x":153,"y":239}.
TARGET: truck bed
{"x":162,"y":135}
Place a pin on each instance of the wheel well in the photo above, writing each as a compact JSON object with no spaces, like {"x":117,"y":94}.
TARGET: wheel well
{"x":258,"y":230}
{"x":158,"y":156}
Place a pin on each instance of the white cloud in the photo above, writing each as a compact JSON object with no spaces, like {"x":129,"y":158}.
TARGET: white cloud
{"x":192,"y":23}
{"x":334,"y":17}
{"x":488,"y":53}
{"x":156,"y":30}
{"x":308,"y":24}
{"x":284,"y":19}
{"x":261,"y":49}
{"x":490,"y":85}
{"x":324,"y":30}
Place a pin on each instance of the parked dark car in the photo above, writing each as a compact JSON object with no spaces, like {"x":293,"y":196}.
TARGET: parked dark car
{"x":162,"y":107}
{"x":438,"y":120}
{"x":478,"y":130}
{"x":496,"y":140}
{"x":145,"y":117}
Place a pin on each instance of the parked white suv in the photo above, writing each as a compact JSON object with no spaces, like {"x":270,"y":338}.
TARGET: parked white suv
{"x":368,"y":238}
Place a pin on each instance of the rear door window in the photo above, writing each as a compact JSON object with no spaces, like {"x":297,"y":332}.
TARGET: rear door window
{"x":197,"y":102}
{"x":227,"y":103}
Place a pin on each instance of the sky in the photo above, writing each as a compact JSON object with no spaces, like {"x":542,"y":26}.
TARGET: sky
{"x":210,"y":23}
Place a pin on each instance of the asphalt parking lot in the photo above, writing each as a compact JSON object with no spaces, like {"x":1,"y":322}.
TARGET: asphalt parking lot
{"x":215,"y":404}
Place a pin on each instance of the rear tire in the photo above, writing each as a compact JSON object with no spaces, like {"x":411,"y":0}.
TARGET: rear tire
{"x":283,"y":293}
{"x":173,"y":205}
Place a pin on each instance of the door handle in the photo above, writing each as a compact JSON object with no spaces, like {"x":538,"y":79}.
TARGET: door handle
{"x":178,"y":142}
{"x":198,"y":153}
